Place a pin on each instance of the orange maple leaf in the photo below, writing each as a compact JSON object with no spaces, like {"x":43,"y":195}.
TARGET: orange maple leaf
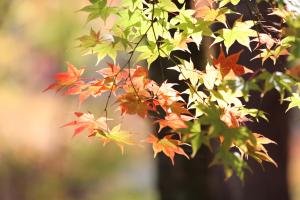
{"x":179,"y":108}
{"x":232,"y":117}
{"x":228,"y":66}
{"x":113,"y":72}
{"x":258,"y":151}
{"x":131,"y":104}
{"x":174,"y":121}
{"x":87,"y":121}
{"x":66,"y":79}
{"x":294,"y":72}
{"x":167,"y":145}
{"x":85,"y":90}
{"x":202,"y":7}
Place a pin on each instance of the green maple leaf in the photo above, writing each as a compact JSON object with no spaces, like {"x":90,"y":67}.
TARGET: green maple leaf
{"x":117,"y":136}
{"x":225,"y":2}
{"x":240,"y":32}
{"x":148,"y":52}
{"x":168,"y":6}
{"x":187,"y":72}
{"x":210,"y":77}
{"x":90,"y":40}
{"x":107,"y":49}
{"x":294,"y":101}
{"x":100,"y":9}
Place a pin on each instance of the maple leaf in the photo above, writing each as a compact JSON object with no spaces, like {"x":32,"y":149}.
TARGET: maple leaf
{"x":294,"y":72}
{"x":258,"y":151}
{"x":139,"y":93}
{"x":137,"y":81}
{"x":240,"y":32}
{"x":294,"y":101}
{"x":203,"y":3}
{"x":271,"y":54}
{"x":187,"y":72}
{"x":76,"y":88}
{"x":89,"y":41}
{"x":99,"y":9}
{"x":166,"y":89}
{"x":174,"y":121}
{"x":140,"y":72}
{"x":66,"y":79}
{"x":94,"y":89}
{"x":167,"y":145}
{"x":225,"y":2}
{"x":280,"y":50}
{"x":211,"y":77}
{"x":232,"y":117}
{"x":282,"y":13}
{"x":204,"y":10}
{"x":152,"y":87}
{"x":228,"y":65}
{"x":85,"y":90}
{"x":118,"y":136}
{"x":87,"y":121}
{"x":265,"y":39}
{"x":139,"y":78}
{"x":131,"y":104}
{"x":113,"y":72}
{"x":179,"y":108}
{"x":167,"y":95}
{"x":180,"y":41}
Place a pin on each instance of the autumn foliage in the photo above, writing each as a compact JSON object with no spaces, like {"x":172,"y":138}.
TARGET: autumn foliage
{"x":212,"y":106}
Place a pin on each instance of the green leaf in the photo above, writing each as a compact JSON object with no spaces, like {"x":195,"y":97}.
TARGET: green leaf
{"x":294,"y":101}
{"x":240,"y":32}
{"x":195,"y":137}
{"x":187,"y":72}
{"x":168,"y":5}
{"x":225,"y":2}
{"x":148,"y":52}
{"x":210,"y":77}
{"x":231,"y":161}
{"x":99,"y":9}
{"x":89,"y":41}
{"x":107,"y":49}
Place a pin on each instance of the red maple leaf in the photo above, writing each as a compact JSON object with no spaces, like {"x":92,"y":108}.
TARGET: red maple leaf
{"x":113,"y":72}
{"x":66,"y":79}
{"x":85,"y":90}
{"x":228,"y":66}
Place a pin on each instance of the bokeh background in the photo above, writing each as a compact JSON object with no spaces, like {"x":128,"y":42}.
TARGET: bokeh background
{"x":39,"y":160}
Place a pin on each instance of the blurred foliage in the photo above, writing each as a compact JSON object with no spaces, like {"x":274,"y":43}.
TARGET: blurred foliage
{"x":39,"y":160}
{"x":82,"y":173}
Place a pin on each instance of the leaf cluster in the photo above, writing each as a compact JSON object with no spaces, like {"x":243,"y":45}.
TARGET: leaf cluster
{"x":214,"y":111}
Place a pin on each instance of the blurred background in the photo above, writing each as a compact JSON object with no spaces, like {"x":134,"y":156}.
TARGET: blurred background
{"x":39,"y":160}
